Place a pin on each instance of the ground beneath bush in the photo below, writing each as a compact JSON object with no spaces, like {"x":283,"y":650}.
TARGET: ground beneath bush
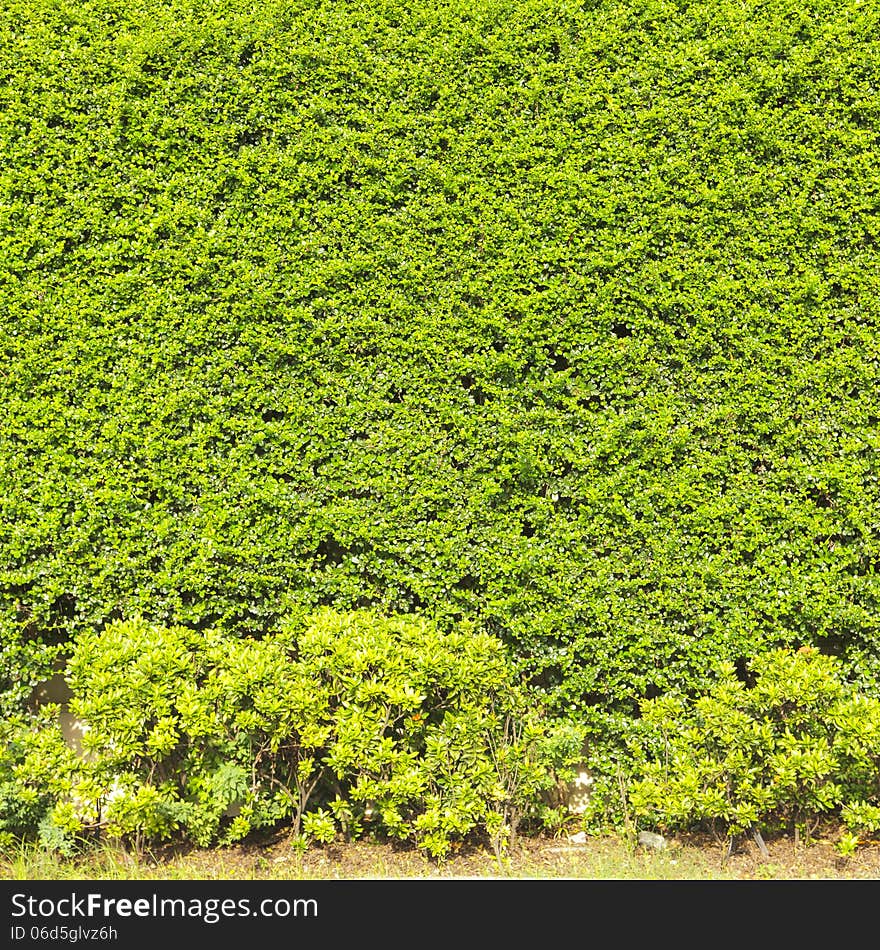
{"x":565,"y":857}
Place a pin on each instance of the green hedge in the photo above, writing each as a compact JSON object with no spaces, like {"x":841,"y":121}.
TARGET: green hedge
{"x":560,"y":318}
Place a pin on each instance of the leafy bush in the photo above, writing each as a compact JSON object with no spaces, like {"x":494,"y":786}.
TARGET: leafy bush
{"x":34,"y":761}
{"x":160,"y":760}
{"x":430,"y":735}
{"x":339,"y":723}
{"x":796,"y":743}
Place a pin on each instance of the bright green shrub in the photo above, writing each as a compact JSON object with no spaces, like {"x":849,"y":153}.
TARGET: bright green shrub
{"x":797,"y":743}
{"x":37,"y":770}
{"x":862,"y":818}
{"x":430,"y":736}
{"x":340,"y":723}
{"x":196,"y":732}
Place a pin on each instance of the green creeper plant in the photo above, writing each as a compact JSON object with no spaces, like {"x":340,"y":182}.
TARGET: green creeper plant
{"x":560,"y":318}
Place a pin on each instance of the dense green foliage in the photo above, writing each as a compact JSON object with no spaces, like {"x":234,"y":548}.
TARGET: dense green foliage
{"x":341,"y":724}
{"x":560,"y":318}
{"x":796,"y":744}
{"x":33,"y":754}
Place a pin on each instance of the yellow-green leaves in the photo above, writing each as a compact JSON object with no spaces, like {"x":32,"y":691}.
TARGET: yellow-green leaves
{"x":798,"y":743}
{"x":352,"y":721}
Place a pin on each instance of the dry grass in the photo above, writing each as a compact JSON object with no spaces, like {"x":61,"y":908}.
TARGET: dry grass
{"x":593,"y":858}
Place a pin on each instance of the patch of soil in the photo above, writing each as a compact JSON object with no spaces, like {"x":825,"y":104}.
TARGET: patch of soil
{"x":687,"y":857}
{"x":786,"y":858}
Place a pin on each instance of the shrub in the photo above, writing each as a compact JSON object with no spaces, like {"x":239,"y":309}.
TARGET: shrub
{"x":192,"y":731}
{"x":796,"y":743}
{"x":37,"y":769}
{"x":430,"y":735}
{"x":340,"y":722}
